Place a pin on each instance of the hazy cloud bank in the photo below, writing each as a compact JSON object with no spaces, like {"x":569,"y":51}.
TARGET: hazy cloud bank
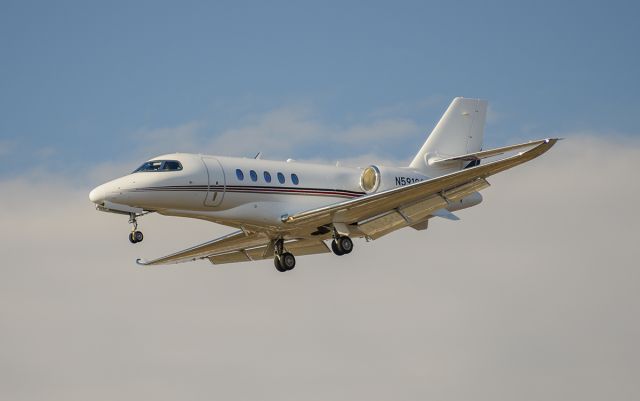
{"x":533,"y":295}
{"x":278,"y":134}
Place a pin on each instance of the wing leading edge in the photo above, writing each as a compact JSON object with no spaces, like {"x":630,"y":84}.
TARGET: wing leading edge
{"x":235,"y":241}
{"x":238,"y":247}
{"x":373,"y":205}
{"x":486,"y":153}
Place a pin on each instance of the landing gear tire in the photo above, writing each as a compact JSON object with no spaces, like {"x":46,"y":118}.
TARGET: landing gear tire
{"x":278,"y":265}
{"x":284,"y":262}
{"x":335,"y":248}
{"x":288,"y":261}
{"x":345,"y":245}
{"x":135,"y":237}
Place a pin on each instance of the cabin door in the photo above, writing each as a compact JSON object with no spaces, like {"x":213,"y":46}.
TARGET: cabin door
{"x":217,"y":182}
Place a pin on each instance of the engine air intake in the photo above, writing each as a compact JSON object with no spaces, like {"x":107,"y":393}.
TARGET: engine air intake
{"x":370,"y":179}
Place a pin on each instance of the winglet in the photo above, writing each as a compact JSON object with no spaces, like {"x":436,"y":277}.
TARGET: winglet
{"x":141,"y":262}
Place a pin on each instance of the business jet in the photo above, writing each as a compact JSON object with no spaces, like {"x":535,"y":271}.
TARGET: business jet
{"x":286,"y":208}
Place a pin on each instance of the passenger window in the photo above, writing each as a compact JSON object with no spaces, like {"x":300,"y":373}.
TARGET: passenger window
{"x":267,"y":176}
{"x":239,"y":174}
{"x":294,"y":179}
{"x":281,"y":178}
{"x":254,"y":176}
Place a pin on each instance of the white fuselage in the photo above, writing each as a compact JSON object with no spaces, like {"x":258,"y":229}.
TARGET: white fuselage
{"x":209,"y":187}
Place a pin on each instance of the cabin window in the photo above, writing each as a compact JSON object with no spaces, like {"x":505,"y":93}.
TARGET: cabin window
{"x":254,"y":176}
{"x":239,"y":174}
{"x":267,"y":176}
{"x":281,"y":178}
{"x":294,"y":179}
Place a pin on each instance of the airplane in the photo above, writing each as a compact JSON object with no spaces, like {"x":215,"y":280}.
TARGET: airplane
{"x":286,"y":209}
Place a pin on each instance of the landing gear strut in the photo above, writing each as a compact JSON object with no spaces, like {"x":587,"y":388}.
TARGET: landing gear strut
{"x":341,"y":245}
{"x":283,"y":261}
{"x":135,"y":236}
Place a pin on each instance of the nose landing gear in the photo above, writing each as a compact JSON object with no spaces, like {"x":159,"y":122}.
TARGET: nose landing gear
{"x":135,"y":236}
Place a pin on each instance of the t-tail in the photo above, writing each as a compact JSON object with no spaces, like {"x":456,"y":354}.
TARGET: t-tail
{"x":460,"y":131}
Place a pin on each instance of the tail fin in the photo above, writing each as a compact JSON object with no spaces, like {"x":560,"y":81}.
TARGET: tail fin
{"x":459,"y":131}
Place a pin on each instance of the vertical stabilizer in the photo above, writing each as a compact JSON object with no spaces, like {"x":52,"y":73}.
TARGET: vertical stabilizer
{"x":459,"y":131}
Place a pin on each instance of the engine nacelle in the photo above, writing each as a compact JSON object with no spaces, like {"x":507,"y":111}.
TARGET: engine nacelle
{"x":378,"y":178}
{"x":470,"y":200}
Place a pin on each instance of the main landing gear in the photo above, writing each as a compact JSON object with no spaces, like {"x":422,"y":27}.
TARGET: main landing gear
{"x":135,"y":236}
{"x":341,"y":245}
{"x":283,"y":261}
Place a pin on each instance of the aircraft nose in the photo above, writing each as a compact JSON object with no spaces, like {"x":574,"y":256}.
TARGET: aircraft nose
{"x":97,"y":195}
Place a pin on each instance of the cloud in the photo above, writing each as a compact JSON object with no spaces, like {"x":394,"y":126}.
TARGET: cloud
{"x":283,"y":131}
{"x":148,"y":142}
{"x":181,"y":138}
{"x":386,"y":130}
{"x":532,"y":295}
{"x":494,"y":116}
{"x":278,"y":133}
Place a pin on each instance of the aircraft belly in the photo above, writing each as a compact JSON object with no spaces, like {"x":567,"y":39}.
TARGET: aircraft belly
{"x":254,"y":212}
{"x":267,"y":209}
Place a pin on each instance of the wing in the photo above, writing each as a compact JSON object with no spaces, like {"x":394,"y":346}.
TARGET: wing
{"x":232,"y":242}
{"x":238,"y":247}
{"x":380,"y":213}
{"x":485,"y":153}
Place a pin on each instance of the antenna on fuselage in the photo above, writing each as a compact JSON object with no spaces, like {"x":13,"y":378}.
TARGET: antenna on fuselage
{"x":258,"y":156}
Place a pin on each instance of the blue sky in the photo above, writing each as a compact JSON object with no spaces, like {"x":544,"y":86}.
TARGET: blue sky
{"x":84,"y":83}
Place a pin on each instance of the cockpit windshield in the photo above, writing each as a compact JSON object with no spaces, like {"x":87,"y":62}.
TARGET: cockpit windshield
{"x":159,"y":165}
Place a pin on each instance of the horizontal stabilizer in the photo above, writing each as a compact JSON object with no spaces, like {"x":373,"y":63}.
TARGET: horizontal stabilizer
{"x":445,"y":214}
{"x":486,"y":153}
